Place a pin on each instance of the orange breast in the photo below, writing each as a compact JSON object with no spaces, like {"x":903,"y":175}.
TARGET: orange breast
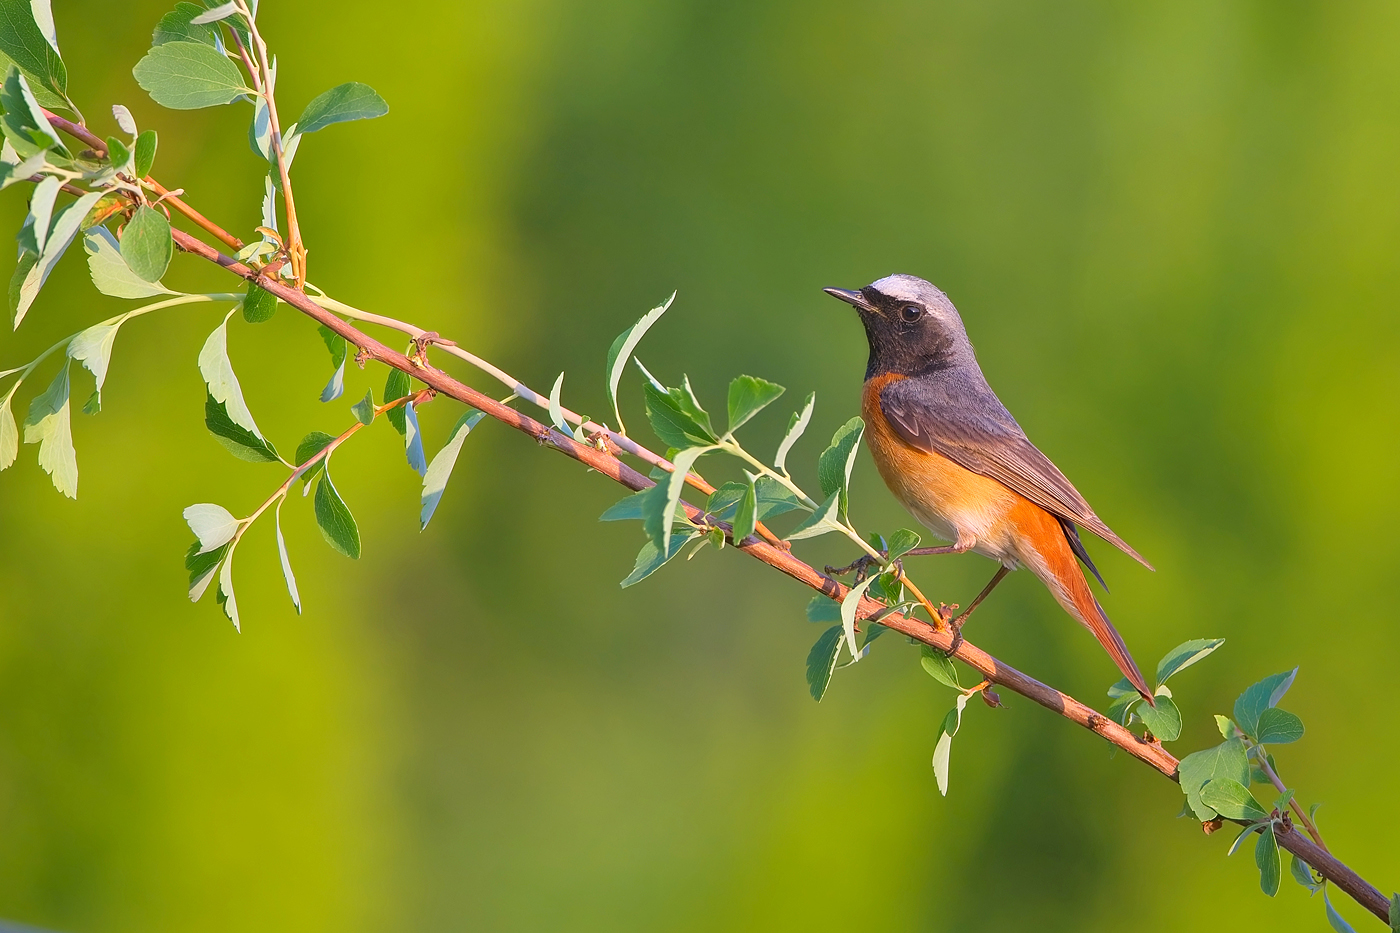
{"x":949,"y":499}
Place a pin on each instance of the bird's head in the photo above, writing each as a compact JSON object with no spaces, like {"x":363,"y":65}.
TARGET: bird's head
{"x":911,"y":325}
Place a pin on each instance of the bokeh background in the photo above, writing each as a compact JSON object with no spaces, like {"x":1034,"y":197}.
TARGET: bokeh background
{"x":1172,"y":229}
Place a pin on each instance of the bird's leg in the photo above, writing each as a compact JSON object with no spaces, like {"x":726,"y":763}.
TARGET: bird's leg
{"x":957,"y":623}
{"x":860,"y":565}
{"x":962,"y":545}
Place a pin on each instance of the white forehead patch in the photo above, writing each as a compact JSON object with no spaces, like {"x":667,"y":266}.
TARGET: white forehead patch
{"x":907,"y":288}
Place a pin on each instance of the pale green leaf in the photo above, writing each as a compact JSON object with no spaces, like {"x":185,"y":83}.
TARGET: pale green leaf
{"x":334,"y":519}
{"x":1163,"y":720}
{"x":124,"y":119}
{"x":65,"y":228}
{"x":413,"y":442}
{"x":1267,"y":858}
{"x":941,"y":752}
{"x":1184,"y":655}
{"x":352,"y":101}
{"x":821,"y":661}
{"x":286,"y":563}
{"x":745,"y":514}
{"x":212,"y":524}
{"x":364,"y":408}
{"x":836,"y":462}
{"x":796,"y":425}
{"x":1226,"y":760}
{"x":1278,"y":727}
{"x":9,"y":433}
{"x":1339,"y":924}
{"x":177,"y":26}
{"x":93,"y":348}
{"x":650,"y":558}
{"x":146,"y":244}
{"x":820,"y":522}
{"x":217,"y":371}
{"x":1231,"y":799}
{"x":1259,"y":697}
{"x":440,"y":470}
{"x":675,"y":485}
{"x":850,"y":605}
{"x":939,"y":666}
{"x":145,"y":153}
{"x":621,"y":350}
{"x":23,"y":41}
{"x":748,"y":395}
{"x":110,"y":273}
{"x":225,"y":594}
{"x":48,"y":426}
{"x":185,"y":75}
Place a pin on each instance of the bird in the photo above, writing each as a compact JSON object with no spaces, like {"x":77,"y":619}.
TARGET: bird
{"x":956,"y":459}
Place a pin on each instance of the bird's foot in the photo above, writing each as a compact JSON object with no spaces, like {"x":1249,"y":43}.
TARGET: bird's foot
{"x":860,"y":565}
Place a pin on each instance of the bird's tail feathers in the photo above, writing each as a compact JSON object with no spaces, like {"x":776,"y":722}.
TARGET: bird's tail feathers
{"x":1071,"y":590}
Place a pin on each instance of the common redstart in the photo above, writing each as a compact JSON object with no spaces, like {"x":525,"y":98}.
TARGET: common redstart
{"x":955,"y":458}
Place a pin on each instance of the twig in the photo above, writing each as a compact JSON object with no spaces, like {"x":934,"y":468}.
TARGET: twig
{"x":992,"y":670}
{"x":1150,"y":753}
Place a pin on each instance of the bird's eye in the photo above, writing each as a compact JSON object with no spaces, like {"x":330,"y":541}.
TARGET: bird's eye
{"x":911,"y":313}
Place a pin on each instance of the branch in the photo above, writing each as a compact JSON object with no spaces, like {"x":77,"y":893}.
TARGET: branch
{"x":1150,"y":753}
{"x":997,"y":672}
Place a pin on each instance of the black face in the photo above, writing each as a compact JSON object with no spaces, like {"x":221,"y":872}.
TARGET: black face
{"x":906,"y":336}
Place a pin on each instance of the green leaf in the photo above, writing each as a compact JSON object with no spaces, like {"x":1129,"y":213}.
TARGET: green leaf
{"x":746,"y":514}
{"x":1226,"y":726}
{"x":1123,"y":687}
{"x":258,"y":305}
{"x":850,"y":605}
{"x":93,"y":348}
{"x":673,"y":424}
{"x":1239,"y":840}
{"x":938,"y":666}
{"x":820,"y":522}
{"x":1302,"y":874}
{"x":796,"y":425}
{"x":176,"y":26}
{"x":633,"y":508}
{"x":413,"y":442}
{"x":836,"y":462}
{"x":340,"y":350}
{"x":621,"y":350}
{"x":1335,"y":919}
{"x":48,"y":426}
{"x":65,"y":228}
{"x":185,"y":75}
{"x":9,"y":433}
{"x":724,"y":500}
{"x":1259,"y":697}
{"x":117,"y":153}
{"x":1121,"y":709}
{"x":333,"y":516}
{"x":36,"y":226}
{"x":23,"y":40}
{"x":146,"y":244}
{"x":902,"y":542}
{"x":237,"y":440}
{"x":223,"y":385}
{"x":202,"y":566}
{"x":1395,"y":913}
{"x":675,"y":485}
{"x":25,"y":126}
{"x":1225,"y":761}
{"x":110,"y":273}
{"x":1231,"y":799}
{"x":364,"y":408}
{"x":774,"y":498}
{"x":556,"y":410}
{"x":220,"y":11}
{"x":650,"y":558}
{"x":823,"y":609}
{"x":352,"y":101}
{"x":440,"y":470}
{"x":951,"y":723}
{"x":1278,"y":727}
{"x":748,"y":395}
{"x":1184,"y":655}
{"x":1163,"y":720}
{"x":145,"y":153}
{"x":395,"y":387}
{"x":821,"y":662}
{"x":311,"y":445}
{"x":224,"y":595}
{"x":212,"y":524}
{"x":286,"y":563}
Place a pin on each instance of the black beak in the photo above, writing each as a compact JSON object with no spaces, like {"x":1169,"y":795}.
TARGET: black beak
{"x":855,"y":299}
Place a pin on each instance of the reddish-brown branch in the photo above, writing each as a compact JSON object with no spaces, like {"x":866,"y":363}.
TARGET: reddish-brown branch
{"x":98,"y":146}
{"x":1150,"y":753}
{"x":994,"y":671}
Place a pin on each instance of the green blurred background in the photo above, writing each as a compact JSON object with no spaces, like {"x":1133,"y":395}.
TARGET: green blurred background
{"x":1172,"y":229}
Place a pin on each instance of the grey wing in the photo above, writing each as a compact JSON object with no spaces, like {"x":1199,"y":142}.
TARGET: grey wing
{"x":965,"y":422}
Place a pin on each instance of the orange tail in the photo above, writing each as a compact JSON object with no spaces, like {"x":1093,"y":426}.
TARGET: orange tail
{"x":1060,"y":572}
